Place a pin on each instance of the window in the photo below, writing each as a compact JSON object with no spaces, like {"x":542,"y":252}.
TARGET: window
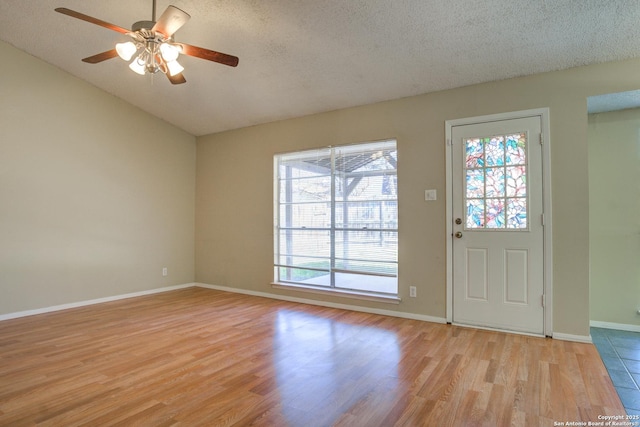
{"x":496,"y":182}
{"x":336,"y":218}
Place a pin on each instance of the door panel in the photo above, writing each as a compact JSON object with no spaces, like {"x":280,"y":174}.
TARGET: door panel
{"x":516,"y":274}
{"x":497,"y":205}
{"x":477,"y":269}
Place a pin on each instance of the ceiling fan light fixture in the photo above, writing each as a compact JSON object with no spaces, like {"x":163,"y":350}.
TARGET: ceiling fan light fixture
{"x":174,"y":68}
{"x":126,"y":50}
{"x":170,"y":51}
{"x":138,"y":66}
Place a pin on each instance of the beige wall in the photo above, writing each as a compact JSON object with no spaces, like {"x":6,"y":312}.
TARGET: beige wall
{"x":95,"y":195}
{"x":614,"y":224}
{"x":234,"y":237}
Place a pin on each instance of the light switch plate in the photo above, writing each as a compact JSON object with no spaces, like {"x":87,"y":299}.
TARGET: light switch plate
{"x":430,"y":195}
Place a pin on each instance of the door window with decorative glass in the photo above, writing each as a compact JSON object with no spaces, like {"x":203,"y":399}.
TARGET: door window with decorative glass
{"x":496,"y":182}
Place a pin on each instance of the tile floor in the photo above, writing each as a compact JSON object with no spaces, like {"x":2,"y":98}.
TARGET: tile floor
{"x":620,"y":352}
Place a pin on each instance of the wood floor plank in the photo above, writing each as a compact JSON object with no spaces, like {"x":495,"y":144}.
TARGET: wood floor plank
{"x":204,"y":357}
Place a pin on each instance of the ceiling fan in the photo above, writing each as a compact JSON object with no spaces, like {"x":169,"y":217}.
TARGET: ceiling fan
{"x":152,"y":45}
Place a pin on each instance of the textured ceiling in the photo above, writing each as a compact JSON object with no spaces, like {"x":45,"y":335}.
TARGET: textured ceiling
{"x":302,"y":57}
{"x":613,"y":101}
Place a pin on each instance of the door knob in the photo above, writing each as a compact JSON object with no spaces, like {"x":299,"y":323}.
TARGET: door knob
{"x":459,"y":234}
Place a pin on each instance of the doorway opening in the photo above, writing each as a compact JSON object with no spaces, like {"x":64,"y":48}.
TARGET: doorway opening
{"x":614,"y":238}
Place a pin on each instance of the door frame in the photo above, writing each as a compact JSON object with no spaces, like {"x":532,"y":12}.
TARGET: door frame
{"x":543,"y":114}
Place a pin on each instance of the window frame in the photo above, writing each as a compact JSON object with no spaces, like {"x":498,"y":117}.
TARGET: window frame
{"x":387,"y":147}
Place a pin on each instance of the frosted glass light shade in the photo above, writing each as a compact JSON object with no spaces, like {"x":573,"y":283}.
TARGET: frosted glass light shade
{"x":174,"y":68}
{"x":138,"y":66}
{"x":169,"y":51}
{"x":126,"y":50}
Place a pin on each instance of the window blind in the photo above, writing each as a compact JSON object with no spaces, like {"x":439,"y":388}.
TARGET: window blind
{"x":336,"y":217}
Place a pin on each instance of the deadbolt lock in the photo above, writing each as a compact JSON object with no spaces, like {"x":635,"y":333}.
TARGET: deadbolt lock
{"x":458,"y":221}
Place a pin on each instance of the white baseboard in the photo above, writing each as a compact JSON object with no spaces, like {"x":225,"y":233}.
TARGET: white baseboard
{"x":573,"y":338}
{"x":91,"y":302}
{"x":618,"y":326}
{"x":392,"y":313}
{"x":412,"y":316}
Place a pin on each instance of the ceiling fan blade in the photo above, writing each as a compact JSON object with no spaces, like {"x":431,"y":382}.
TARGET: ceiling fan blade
{"x":91,"y":19}
{"x":209,"y":55}
{"x":177,"y":79}
{"x":170,"y":21}
{"x":101,"y":57}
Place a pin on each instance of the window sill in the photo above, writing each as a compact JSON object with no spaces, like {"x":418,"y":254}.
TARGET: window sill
{"x":338,"y":292}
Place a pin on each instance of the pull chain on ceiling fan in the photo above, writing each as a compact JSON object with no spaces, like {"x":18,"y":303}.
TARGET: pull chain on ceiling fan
{"x":152,"y":47}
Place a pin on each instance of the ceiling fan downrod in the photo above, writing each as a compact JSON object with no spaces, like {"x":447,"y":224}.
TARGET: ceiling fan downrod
{"x":146,"y":25}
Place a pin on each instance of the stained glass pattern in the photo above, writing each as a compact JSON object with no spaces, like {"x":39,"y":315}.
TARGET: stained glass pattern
{"x":516,"y":181}
{"x":517,"y":213}
{"x":475,"y":213}
{"x":474,"y":153}
{"x":494,"y":151}
{"x":516,"y":149}
{"x":496,"y":182}
{"x":475,"y":183}
{"x":495,"y":213}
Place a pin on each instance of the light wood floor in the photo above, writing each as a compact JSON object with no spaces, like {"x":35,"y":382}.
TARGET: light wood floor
{"x":204,"y":357}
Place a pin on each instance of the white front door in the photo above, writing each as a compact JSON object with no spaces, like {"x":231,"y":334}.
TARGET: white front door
{"x":497,"y":231}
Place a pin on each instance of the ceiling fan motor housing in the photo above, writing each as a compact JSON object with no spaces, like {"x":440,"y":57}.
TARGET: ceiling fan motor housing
{"x":142,"y":25}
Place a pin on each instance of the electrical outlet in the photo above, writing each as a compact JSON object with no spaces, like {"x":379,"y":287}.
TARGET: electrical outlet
{"x":412,"y":291}
{"x":164,"y":271}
